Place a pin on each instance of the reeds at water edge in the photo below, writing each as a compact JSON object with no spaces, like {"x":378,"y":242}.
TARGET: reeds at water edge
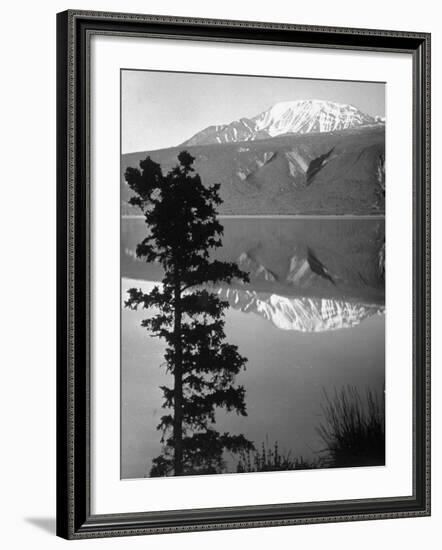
{"x":353,"y":428}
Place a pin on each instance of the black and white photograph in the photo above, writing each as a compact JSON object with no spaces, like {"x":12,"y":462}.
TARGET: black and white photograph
{"x":252,"y":274}
{"x":224,"y":238}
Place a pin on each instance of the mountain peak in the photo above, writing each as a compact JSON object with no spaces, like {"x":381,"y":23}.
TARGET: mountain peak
{"x":298,"y":116}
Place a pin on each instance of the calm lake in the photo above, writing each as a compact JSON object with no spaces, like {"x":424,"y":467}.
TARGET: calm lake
{"x":311,"y":320}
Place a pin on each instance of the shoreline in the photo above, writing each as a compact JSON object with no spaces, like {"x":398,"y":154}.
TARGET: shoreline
{"x":283,"y":216}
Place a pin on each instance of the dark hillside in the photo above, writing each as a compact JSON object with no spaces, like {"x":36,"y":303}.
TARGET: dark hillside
{"x":317,"y":173}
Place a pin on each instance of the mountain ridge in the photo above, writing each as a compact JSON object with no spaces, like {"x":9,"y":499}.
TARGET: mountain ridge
{"x":303,"y":116}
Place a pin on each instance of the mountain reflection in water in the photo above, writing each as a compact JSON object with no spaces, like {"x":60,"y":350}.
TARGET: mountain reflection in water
{"x":309,"y":275}
{"x":310,"y":319}
{"x":302,"y":314}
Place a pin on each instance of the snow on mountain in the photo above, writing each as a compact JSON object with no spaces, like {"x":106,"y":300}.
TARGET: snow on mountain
{"x":310,"y":116}
{"x":300,"y":314}
{"x":287,"y":117}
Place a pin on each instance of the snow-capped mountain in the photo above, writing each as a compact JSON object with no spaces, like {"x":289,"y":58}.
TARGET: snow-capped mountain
{"x":300,"y":314}
{"x":287,"y":117}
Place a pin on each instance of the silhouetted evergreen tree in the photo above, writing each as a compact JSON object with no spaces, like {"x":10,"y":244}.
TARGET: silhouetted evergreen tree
{"x":180,"y":214}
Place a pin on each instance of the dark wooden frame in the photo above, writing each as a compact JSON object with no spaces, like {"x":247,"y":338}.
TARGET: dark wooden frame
{"x":74,"y":519}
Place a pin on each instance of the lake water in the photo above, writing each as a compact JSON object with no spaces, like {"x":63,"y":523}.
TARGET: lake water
{"x":311,"y":319}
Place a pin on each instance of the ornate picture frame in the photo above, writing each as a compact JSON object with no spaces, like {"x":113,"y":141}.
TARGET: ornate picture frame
{"x":75,"y":516}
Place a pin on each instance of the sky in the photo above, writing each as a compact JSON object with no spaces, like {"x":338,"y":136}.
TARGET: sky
{"x":163,"y":109}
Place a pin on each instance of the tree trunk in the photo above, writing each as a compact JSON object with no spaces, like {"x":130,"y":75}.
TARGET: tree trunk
{"x":178,"y":385}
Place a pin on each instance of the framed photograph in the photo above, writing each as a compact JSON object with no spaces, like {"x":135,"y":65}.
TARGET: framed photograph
{"x":243,"y":274}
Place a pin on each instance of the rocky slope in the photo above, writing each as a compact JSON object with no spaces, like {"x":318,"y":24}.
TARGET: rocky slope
{"x":340,"y":172}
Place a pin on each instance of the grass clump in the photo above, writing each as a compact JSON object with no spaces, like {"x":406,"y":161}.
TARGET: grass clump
{"x":353,"y":429}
